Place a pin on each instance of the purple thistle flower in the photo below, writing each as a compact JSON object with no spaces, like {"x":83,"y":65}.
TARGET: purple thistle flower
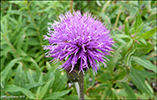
{"x":78,"y":39}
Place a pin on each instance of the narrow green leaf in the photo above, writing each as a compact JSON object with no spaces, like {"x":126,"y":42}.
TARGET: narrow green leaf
{"x":52,"y":78}
{"x":119,"y":92}
{"x":118,"y":36}
{"x":35,"y":64}
{"x":44,"y":90}
{"x":114,"y":59}
{"x":143,"y":41}
{"x":39,"y":58}
{"x":38,"y":92}
{"x":107,"y":93}
{"x":33,"y":41}
{"x":121,"y":41}
{"x":146,"y":74}
{"x":152,"y":17}
{"x":107,"y":20}
{"x":121,"y":75}
{"x":40,"y":78}
{"x":101,"y":86}
{"x":138,"y":21}
{"x":20,"y":75}
{"x":149,"y":33}
{"x":126,"y":76}
{"x":127,"y":60}
{"x":32,"y":85}
{"x":139,"y":81}
{"x":30,"y":77}
{"x":31,"y":32}
{"x":28,"y":93}
{"x":48,"y":75}
{"x":145,"y":63}
{"x":126,"y":28}
{"x":133,"y":11}
{"x":48,"y":66}
{"x":129,"y":91}
{"x":14,"y":88}
{"x":57,"y":95}
{"x":4,"y":73}
{"x":59,"y":83}
{"x":13,"y":20}
{"x":93,"y":80}
{"x":104,"y":77}
{"x":33,"y":61}
{"x":127,"y":47}
{"x":5,"y":51}
{"x":21,"y":52}
{"x":144,"y":49}
{"x":72,"y":97}
{"x":149,"y":87}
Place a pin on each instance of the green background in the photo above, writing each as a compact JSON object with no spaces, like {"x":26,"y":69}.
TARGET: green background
{"x":130,"y":74}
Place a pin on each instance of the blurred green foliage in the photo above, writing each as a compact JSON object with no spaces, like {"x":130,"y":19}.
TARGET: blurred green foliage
{"x":131,"y":71}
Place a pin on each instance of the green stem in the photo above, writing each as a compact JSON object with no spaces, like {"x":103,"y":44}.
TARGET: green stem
{"x":105,"y":6}
{"x":81,"y":83}
{"x":32,"y":18}
{"x":118,"y":17}
{"x":10,"y":44}
{"x":71,"y":6}
{"x":37,"y":30}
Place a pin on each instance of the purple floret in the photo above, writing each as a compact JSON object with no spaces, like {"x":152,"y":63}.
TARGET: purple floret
{"x":78,"y":38}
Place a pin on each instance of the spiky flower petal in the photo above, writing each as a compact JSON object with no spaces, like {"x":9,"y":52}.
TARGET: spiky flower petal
{"x":78,"y":39}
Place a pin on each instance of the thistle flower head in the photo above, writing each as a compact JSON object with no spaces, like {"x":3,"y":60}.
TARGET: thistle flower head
{"x":78,"y":39}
